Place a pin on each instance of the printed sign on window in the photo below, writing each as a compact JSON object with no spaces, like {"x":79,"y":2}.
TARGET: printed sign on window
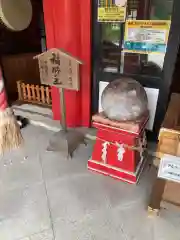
{"x":146,"y":36}
{"x":112,"y":10}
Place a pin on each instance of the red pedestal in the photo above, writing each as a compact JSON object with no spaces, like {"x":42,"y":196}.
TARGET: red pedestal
{"x":115,"y":152}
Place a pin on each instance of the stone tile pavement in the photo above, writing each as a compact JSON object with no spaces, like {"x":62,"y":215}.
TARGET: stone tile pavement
{"x":43,"y":196}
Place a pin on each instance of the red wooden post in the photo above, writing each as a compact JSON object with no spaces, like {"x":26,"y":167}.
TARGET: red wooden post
{"x":86,"y":57}
{"x":67,"y":25}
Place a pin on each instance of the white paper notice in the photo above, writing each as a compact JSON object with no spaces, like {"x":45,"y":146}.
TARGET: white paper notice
{"x":102,"y":86}
{"x":152,"y":95}
{"x":157,"y":59}
{"x":169,"y":168}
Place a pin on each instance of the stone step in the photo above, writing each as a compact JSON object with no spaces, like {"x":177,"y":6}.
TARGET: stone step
{"x":42,"y":116}
{"x":38,"y":116}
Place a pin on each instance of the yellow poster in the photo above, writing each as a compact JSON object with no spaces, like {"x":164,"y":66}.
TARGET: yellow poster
{"x":146,"y":36}
{"x":111,"y":14}
{"x":112,"y":10}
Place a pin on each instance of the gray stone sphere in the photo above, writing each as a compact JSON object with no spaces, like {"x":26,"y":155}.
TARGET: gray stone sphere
{"x":124,"y":99}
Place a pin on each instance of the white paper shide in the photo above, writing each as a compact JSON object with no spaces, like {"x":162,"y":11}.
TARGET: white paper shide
{"x":104,"y":151}
{"x":120,"y":151}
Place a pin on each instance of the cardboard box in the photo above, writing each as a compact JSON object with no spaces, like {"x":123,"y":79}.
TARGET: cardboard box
{"x":169,"y":135}
{"x":166,"y":194}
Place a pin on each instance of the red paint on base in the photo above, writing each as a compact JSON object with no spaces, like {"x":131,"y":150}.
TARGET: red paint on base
{"x":118,"y":174}
{"x":86,"y":58}
{"x":67,"y":25}
{"x":130,"y":167}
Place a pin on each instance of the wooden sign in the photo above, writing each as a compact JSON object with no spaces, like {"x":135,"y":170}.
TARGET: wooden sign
{"x":60,"y":69}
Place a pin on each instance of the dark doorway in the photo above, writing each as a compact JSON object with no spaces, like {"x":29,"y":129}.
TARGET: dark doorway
{"x":17,"y":50}
{"x":175,"y":87}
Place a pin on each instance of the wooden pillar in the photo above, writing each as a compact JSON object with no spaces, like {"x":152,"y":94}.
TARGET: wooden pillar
{"x":86,"y":58}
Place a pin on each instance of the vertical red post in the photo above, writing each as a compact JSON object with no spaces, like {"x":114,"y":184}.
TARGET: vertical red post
{"x":67,"y":25}
{"x":86,"y":58}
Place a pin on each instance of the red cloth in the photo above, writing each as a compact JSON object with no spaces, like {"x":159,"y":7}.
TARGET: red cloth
{"x":133,"y":126}
{"x":3,"y":97}
{"x":68,"y":26}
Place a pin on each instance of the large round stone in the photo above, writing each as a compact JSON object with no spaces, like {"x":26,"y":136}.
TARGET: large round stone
{"x":124,"y":99}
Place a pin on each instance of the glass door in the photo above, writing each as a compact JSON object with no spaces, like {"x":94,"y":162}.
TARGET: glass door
{"x":109,"y":60}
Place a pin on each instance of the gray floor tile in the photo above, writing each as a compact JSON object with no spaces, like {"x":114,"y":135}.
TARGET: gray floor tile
{"x":166,"y":227}
{"x":77,"y":196}
{"x":23,"y":212}
{"x":45,"y":235}
{"x":102,"y":225}
{"x":36,"y":137}
{"x":123,"y":194}
{"x":135,"y":222}
{"x":146,"y":182}
{"x":83,"y":205}
{"x":22,"y":167}
{"x":82,"y":194}
{"x":19,"y":171}
{"x":55,"y":165}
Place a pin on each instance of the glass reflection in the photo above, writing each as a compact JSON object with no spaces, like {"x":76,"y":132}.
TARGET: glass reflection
{"x":112,"y":34}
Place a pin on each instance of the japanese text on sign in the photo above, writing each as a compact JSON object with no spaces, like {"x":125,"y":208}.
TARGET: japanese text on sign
{"x":59,"y":69}
{"x":56,"y":68}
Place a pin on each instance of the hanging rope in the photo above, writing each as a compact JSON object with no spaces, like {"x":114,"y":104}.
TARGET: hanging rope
{"x":140,"y":147}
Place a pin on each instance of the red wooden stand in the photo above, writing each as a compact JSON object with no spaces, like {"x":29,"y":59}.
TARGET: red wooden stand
{"x":115,"y":151}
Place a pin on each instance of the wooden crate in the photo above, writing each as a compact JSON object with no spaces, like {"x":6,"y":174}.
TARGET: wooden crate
{"x":32,"y":93}
{"x":169,"y":136}
{"x":165,"y":194}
